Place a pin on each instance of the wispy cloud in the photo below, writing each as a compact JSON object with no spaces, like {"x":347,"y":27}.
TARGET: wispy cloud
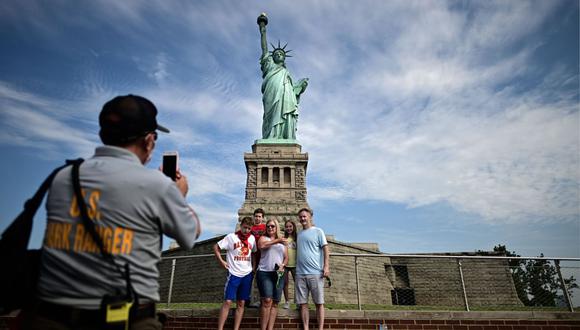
{"x":216,"y":220}
{"x":212,"y":178}
{"x":455,"y":125}
{"x":25,"y":122}
{"x":158,"y":69}
{"x":416,"y":103}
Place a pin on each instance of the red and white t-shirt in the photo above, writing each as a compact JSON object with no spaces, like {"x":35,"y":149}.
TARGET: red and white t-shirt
{"x":239,"y":256}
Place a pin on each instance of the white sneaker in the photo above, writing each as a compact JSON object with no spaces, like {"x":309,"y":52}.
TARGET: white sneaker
{"x":286,"y":305}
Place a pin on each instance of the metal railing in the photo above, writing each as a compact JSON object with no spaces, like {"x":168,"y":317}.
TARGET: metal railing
{"x":466,"y":282}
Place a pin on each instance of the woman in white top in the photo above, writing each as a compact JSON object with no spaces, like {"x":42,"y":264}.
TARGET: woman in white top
{"x":274,"y":257}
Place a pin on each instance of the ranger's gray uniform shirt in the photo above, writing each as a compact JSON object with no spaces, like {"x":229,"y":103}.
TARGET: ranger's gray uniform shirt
{"x":131,"y":207}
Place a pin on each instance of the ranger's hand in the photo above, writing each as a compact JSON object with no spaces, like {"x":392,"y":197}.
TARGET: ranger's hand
{"x":181,"y":182}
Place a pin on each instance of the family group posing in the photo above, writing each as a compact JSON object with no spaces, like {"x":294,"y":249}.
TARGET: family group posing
{"x":258,"y":248}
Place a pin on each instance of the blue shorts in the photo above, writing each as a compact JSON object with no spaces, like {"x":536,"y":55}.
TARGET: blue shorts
{"x":238,"y":288}
{"x":267,"y":285}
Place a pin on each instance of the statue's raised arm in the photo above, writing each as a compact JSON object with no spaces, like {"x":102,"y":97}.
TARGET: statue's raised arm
{"x":280,"y":95}
{"x":262,"y":22}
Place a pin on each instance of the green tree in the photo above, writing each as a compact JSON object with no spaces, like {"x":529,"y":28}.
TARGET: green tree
{"x":536,"y":280}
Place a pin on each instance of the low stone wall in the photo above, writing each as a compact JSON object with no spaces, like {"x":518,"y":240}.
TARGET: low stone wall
{"x":418,"y":281}
{"x":197,"y":280}
{"x":407,"y":320}
{"x":373,"y":283}
{"x":437,"y":282}
{"x":200,"y":319}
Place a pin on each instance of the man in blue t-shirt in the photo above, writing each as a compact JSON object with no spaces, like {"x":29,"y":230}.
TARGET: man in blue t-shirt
{"x":312,"y":267}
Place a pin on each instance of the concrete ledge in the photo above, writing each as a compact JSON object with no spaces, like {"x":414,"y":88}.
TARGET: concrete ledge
{"x":391,"y":315}
{"x":181,"y":319}
{"x":381,"y":320}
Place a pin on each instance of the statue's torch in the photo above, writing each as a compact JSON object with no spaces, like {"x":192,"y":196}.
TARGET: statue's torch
{"x":262,"y":19}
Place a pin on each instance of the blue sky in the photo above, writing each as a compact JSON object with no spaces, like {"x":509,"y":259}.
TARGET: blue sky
{"x":431,"y":126}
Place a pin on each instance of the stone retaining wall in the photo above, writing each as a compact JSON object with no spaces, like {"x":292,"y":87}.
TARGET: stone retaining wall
{"x":437,"y":282}
{"x":430,"y":282}
{"x":392,"y":320}
{"x":397,"y":320}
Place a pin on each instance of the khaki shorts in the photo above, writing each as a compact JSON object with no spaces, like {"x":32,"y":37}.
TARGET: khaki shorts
{"x":313,"y":284}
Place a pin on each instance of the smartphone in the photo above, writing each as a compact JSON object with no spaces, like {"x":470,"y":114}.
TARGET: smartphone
{"x":170,"y":164}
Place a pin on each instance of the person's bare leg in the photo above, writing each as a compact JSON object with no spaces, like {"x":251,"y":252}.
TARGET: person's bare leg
{"x":286,"y":282}
{"x":320,"y":315}
{"x":224,"y":314}
{"x":305,"y":315}
{"x":265,"y":313}
{"x":273,"y":315}
{"x":239,"y":314}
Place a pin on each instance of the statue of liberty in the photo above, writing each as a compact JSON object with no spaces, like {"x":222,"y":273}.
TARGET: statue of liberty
{"x":280,"y":95}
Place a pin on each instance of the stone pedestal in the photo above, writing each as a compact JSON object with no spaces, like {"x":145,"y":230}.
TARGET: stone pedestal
{"x":276,"y":180}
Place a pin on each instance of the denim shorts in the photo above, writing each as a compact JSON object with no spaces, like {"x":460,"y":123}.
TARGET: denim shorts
{"x":267,"y":285}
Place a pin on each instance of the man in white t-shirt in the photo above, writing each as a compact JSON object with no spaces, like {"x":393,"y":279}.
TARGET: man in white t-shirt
{"x":239,"y":247}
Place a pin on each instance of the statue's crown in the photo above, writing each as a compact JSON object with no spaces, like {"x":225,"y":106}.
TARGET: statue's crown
{"x":282,"y":49}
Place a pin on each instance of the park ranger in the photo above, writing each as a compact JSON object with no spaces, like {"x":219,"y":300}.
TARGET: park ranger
{"x":131,"y":207}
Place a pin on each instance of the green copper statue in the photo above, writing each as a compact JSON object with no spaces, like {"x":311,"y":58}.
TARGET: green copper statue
{"x":280,"y":95}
